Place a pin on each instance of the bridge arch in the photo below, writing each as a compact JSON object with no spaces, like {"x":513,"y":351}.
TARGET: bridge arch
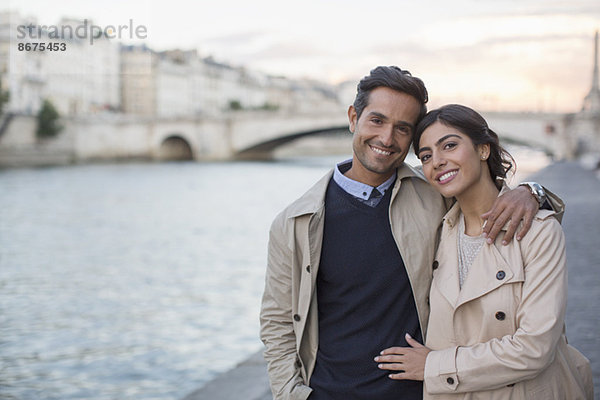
{"x":265,"y":149}
{"x":175,"y":148}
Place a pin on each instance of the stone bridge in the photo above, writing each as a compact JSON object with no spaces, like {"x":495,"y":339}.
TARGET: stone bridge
{"x":239,"y":135}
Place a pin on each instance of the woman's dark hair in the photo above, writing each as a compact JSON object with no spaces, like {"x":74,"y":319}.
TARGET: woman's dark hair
{"x":472,"y":124}
{"x":394,"y":78}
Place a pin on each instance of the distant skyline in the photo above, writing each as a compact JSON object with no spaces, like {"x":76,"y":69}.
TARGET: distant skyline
{"x":530,"y":55}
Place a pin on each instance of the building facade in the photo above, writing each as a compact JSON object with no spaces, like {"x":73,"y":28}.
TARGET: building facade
{"x":78,"y":76}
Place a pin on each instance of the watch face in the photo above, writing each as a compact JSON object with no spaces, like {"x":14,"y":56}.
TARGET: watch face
{"x":536,"y":190}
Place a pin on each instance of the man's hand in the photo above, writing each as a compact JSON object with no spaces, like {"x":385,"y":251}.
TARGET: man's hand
{"x":515,"y":206}
{"x":409,"y":361}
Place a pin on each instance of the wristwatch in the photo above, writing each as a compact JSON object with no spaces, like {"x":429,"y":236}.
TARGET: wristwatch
{"x":537,"y":191}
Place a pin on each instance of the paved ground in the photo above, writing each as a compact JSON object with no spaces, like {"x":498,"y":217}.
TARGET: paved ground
{"x":247,"y":381}
{"x":580,"y":189}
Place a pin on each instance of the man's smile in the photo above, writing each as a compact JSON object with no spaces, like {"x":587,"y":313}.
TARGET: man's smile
{"x":380,"y":151}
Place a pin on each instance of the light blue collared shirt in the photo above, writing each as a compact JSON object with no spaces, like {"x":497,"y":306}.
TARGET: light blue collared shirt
{"x":357,"y":189}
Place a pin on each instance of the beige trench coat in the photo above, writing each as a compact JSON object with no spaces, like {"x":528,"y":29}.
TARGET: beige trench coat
{"x":289,"y":314}
{"x":502,"y":336}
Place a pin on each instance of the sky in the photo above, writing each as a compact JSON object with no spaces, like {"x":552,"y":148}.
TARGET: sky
{"x":493,"y":55}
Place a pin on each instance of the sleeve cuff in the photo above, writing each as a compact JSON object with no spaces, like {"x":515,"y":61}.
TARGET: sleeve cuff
{"x":300,"y":392}
{"x":440,"y":371}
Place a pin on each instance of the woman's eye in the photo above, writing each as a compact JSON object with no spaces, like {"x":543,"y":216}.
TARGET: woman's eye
{"x":449,"y":145}
{"x":425,"y":158}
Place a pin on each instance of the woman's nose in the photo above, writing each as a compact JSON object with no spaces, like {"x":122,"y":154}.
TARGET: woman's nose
{"x":438,"y":160}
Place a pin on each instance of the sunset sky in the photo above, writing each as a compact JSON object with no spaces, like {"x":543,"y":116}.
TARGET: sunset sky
{"x":533,"y":55}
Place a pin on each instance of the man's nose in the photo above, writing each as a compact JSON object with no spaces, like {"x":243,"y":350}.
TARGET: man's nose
{"x":387,"y":137}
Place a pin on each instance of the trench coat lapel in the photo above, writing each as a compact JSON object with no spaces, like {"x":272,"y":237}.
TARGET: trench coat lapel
{"x":488,"y":272}
{"x":308,"y":215}
{"x":447,"y":274}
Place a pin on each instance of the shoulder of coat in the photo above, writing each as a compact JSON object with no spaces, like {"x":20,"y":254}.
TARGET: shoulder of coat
{"x":543,"y":215}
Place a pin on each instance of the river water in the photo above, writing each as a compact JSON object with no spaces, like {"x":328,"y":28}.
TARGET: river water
{"x":136,"y":281}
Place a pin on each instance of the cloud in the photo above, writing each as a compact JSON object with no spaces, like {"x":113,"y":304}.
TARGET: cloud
{"x":547,"y":9}
{"x":289,"y":50}
{"x":523,"y":39}
{"x":236,"y":39}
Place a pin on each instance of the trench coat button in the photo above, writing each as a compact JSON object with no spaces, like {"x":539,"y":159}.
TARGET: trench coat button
{"x":450,"y":381}
{"x":500,"y":275}
{"x":296,"y":317}
{"x":500,"y":316}
{"x":435,"y":264}
{"x":308,"y":268}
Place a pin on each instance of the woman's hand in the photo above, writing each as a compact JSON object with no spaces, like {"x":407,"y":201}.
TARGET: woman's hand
{"x":410,"y":361}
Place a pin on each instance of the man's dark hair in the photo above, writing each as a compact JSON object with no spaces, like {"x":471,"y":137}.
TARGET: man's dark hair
{"x":394,"y":78}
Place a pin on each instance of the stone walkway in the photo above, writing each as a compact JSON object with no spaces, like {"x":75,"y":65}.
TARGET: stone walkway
{"x":247,"y":381}
{"x":580,"y":189}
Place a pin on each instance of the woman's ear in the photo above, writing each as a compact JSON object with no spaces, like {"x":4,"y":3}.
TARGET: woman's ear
{"x":484,"y":151}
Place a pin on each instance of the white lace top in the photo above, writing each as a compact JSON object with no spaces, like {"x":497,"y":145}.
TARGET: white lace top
{"x":468,"y":248}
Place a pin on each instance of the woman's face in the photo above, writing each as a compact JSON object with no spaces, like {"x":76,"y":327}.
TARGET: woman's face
{"x":451,"y":163}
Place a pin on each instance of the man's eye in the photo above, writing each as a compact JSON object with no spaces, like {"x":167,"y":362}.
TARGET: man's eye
{"x":376,"y":121}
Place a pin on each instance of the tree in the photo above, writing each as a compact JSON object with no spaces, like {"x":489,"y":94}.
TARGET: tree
{"x":235,"y":105}
{"x":4,"y":97}
{"x":47,"y":121}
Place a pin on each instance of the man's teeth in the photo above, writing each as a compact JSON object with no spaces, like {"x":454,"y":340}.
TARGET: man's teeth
{"x":382,"y":152}
{"x":447,"y":175}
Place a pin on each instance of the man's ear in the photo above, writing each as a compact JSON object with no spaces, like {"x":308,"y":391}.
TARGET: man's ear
{"x":352,"y":118}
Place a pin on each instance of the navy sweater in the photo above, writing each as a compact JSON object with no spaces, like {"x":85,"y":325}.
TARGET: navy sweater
{"x":365,"y":302}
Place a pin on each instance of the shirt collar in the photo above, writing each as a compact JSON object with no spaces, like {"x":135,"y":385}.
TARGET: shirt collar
{"x":355,"y":188}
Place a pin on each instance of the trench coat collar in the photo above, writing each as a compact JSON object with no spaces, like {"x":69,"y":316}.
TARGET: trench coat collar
{"x":314,"y":199}
{"x":406,"y":171}
{"x":489,"y":271}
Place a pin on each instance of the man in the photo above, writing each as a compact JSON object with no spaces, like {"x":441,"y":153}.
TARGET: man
{"x":350,"y":262}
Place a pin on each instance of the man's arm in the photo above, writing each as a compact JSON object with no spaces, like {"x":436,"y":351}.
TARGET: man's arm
{"x":517,"y":206}
{"x":276,"y":325}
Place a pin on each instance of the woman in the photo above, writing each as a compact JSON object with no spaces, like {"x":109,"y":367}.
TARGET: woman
{"x":496,"y":328}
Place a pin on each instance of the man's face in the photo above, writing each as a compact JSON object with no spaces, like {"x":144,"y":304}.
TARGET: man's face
{"x":382,"y":135}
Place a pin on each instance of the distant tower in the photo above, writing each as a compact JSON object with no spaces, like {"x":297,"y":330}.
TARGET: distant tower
{"x":591,"y":103}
